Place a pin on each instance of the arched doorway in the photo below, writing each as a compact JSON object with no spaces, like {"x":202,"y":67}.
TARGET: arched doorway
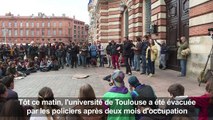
{"x":177,"y":26}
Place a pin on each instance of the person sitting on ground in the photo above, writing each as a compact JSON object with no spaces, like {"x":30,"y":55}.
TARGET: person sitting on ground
{"x":141,"y":92}
{"x":3,"y":95}
{"x":49,"y":63}
{"x":13,"y":110}
{"x":45,"y":95}
{"x":177,"y":92}
{"x":205,"y":102}
{"x":43,"y":65}
{"x":55,"y":64}
{"x":87,"y":93}
{"x":36,"y":63}
{"x":11,"y":70}
{"x":8,"y":81}
{"x":21,"y":67}
{"x":118,"y":91}
{"x":31,"y":66}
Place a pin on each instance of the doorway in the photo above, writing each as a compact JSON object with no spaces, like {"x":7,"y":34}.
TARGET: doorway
{"x":177,"y":26}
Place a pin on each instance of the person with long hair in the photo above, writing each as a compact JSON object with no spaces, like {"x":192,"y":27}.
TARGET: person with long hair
{"x":13,"y":110}
{"x":205,"y":102}
{"x":87,"y":93}
{"x":151,"y":56}
{"x":45,"y":94}
{"x":3,"y":95}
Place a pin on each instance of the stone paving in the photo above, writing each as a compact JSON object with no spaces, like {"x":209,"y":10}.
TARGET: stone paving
{"x":64,"y":85}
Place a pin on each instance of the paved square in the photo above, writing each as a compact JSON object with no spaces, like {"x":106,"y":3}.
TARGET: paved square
{"x":64,"y":85}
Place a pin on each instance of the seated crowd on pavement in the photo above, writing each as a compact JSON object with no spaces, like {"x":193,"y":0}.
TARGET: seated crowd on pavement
{"x":11,"y":109}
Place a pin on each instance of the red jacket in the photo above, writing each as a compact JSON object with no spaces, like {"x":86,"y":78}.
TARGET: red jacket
{"x":203,"y":103}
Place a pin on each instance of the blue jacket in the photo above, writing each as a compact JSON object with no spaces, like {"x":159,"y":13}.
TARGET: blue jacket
{"x":144,"y":46}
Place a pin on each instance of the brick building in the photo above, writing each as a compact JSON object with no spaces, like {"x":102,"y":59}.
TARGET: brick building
{"x":172,"y":19}
{"x":41,"y":29}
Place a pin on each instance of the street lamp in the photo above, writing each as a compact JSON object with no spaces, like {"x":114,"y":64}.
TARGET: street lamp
{"x":5,"y":35}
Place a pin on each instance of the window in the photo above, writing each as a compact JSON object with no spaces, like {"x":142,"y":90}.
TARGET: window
{"x":54,"y":32}
{"x":54,"y":24}
{"x":42,"y":24}
{"x":74,"y":32}
{"x":16,"y":33}
{"x":3,"y":25}
{"x":60,"y":32}
{"x":21,"y":24}
{"x":32,"y":24}
{"x":42,"y":32}
{"x":60,"y":24}
{"x":27,"y":32}
{"x":49,"y":33}
{"x":9,"y":24}
{"x":32,"y":32}
{"x":74,"y":36}
{"x":75,"y":27}
{"x":21,"y":32}
{"x":37,"y":24}
{"x":48,"y":24}
{"x":15,"y":24}
{"x":27,"y":24}
{"x":37,"y":32}
{"x":9,"y":32}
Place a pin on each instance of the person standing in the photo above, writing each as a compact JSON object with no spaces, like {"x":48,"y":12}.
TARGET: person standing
{"x":60,"y":55}
{"x":137,"y":54}
{"x":101,"y":54}
{"x":108,"y":52}
{"x":182,"y":45}
{"x":127,"y":55}
{"x":115,"y":55}
{"x":84,"y":52}
{"x":163,"y":53}
{"x":151,"y":56}
{"x":144,"y":46}
{"x":73,"y":55}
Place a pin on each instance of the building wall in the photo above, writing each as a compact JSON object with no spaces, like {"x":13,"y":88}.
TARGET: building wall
{"x":41,"y":30}
{"x":201,"y":18}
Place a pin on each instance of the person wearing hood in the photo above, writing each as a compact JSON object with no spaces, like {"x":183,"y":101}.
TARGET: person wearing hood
{"x":119,"y":92}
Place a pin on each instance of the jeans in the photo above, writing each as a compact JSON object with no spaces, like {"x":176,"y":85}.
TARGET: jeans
{"x":183,"y":67}
{"x":83,"y":60}
{"x":68,"y":59}
{"x":137,"y":62}
{"x":61,"y":62}
{"x":144,"y":66}
{"x":151,"y":66}
{"x":163,"y":60}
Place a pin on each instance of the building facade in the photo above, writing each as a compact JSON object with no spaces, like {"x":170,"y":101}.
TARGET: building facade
{"x":41,"y":29}
{"x":166,"y":20}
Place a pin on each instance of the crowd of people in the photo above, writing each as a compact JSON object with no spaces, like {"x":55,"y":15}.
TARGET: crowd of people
{"x":11,"y":109}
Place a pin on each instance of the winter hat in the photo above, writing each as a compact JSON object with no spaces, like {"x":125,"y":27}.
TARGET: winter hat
{"x":133,"y":81}
{"x":118,"y":78}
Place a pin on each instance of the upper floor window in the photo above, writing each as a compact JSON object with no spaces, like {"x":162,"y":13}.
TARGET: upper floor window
{"x":15,"y":24}
{"x":54,"y":24}
{"x":27,"y":24}
{"x":9,"y":24}
{"x":21,"y":32}
{"x":32,"y":24}
{"x":42,"y":24}
{"x":37,"y":24}
{"x":16,"y":33}
{"x":9,"y":32}
{"x":48,"y":24}
{"x":60,"y":32}
{"x":21,"y":24}
{"x":3,"y":25}
{"x":60,"y":24}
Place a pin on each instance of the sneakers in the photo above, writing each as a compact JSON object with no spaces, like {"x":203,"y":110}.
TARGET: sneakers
{"x":150,"y":75}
